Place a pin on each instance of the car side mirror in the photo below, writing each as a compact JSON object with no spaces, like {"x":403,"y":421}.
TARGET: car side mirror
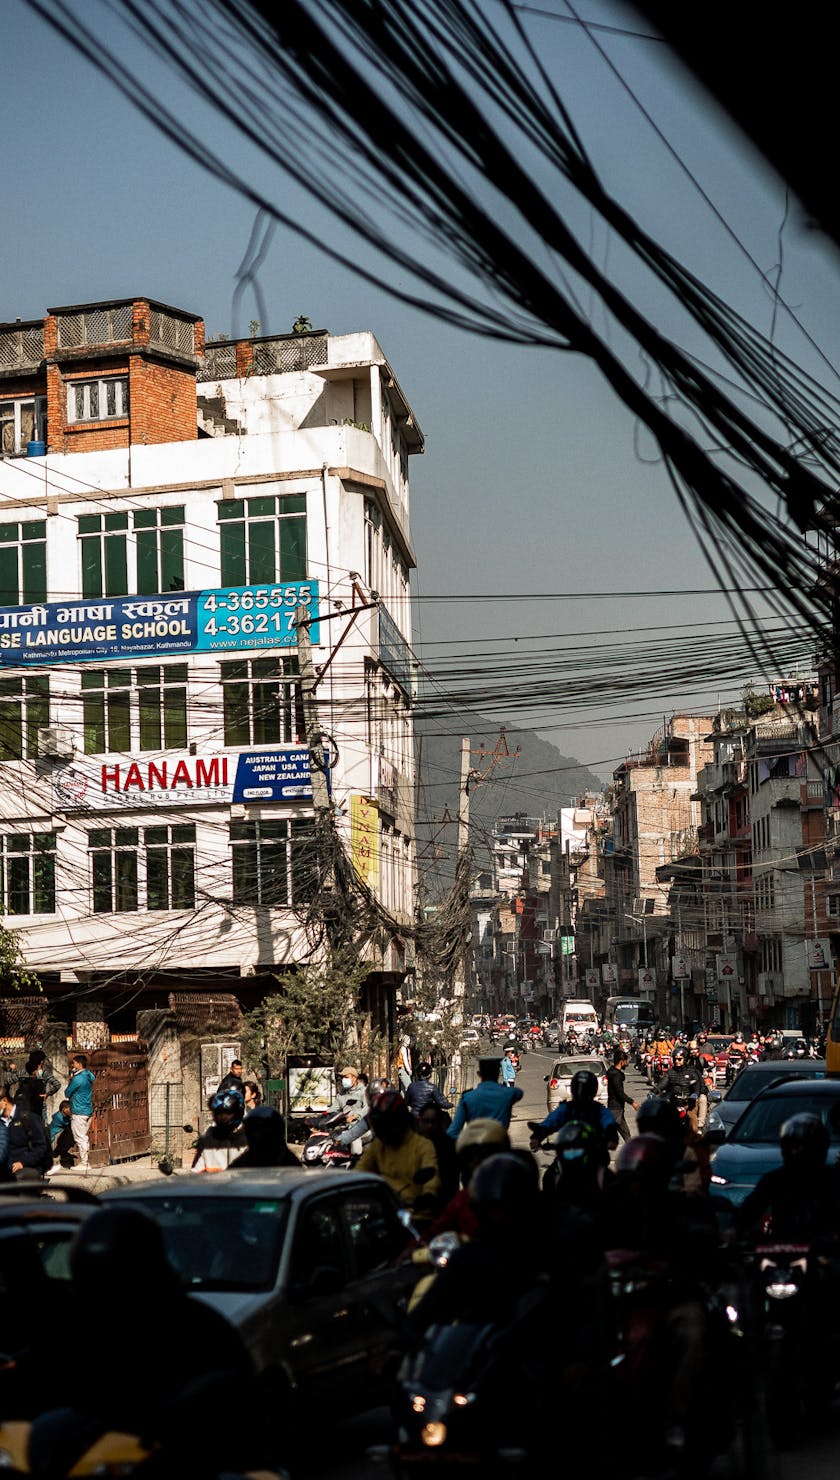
{"x":715,"y":1096}
{"x":545,"y":1079}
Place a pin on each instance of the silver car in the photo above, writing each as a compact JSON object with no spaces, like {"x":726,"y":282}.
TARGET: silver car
{"x":559,"y":1081}
{"x":303,"y":1265}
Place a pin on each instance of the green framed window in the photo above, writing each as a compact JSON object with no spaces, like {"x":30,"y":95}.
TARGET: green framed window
{"x":262,"y":704}
{"x":27,"y":873}
{"x":113,"y":857}
{"x":104,"y":553}
{"x":24,"y":710}
{"x":263,"y":540}
{"x":159,"y":535}
{"x":23,"y":562}
{"x":170,"y":867}
{"x":273,"y":862}
{"x":134,"y":708}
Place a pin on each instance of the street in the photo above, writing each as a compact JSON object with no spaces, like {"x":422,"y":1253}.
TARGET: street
{"x":327,"y":1460}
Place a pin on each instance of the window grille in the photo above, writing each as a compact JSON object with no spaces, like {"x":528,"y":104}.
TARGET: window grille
{"x":172,"y":333}
{"x":21,"y":348}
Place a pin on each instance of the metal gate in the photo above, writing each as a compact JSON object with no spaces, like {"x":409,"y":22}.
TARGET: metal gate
{"x":120,"y":1125}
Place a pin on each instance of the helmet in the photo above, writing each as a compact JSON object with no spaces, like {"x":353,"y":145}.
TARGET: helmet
{"x":112,"y":1245}
{"x":424,"y":1070}
{"x":578,"y":1146}
{"x":680,"y":1054}
{"x":389,"y":1117}
{"x":504,"y":1179}
{"x":228,"y":1102}
{"x":265,"y":1134}
{"x":660,"y":1118}
{"x":804,"y":1140}
{"x":482,"y":1132}
{"x":646,"y":1157}
{"x":739,"y":1037}
{"x":777,"y":1041}
{"x":584,"y":1086}
{"x":702,"y":1037}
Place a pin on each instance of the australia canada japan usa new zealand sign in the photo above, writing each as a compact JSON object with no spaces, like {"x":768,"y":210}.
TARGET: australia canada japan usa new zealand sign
{"x":229,"y":619}
{"x":177,"y":780}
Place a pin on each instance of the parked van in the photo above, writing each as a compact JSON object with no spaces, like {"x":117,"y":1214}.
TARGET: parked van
{"x":580,"y":1014}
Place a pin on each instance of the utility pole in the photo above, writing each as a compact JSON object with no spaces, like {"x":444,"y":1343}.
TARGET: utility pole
{"x":459,"y":985}
{"x":314,"y":736}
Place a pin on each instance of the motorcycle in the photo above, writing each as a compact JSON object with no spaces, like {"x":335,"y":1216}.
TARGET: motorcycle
{"x":801,"y":1355}
{"x":734,"y":1065}
{"x":321,"y":1148}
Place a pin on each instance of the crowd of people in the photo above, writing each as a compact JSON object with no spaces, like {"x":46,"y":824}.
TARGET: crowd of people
{"x":33,"y":1143}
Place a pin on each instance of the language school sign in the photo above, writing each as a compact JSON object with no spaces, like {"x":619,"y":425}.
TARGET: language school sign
{"x":224,"y":620}
{"x":178,"y":780}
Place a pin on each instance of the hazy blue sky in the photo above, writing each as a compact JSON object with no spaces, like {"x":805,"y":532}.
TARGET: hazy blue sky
{"x":531,"y":480}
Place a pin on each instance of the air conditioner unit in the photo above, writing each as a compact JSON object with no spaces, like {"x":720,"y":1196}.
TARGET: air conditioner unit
{"x":549,"y":935}
{"x":55,"y":743}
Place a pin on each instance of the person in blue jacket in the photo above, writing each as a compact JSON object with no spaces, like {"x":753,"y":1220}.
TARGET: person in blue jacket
{"x":490,"y":1100}
{"x":80,"y":1094}
{"x":581,"y":1106}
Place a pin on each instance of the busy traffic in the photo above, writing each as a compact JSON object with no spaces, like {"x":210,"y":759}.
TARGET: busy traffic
{"x":617,"y":1220}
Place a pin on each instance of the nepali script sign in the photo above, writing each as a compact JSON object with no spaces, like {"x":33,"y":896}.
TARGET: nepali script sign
{"x":224,"y":620}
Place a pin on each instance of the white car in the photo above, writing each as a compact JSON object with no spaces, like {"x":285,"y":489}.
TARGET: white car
{"x":559,"y":1081}
{"x":470,"y":1038}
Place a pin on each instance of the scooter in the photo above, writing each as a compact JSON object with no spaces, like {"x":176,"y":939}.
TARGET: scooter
{"x":801,"y":1354}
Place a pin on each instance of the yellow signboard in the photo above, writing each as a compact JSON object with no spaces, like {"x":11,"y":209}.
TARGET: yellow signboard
{"x":364,"y":838}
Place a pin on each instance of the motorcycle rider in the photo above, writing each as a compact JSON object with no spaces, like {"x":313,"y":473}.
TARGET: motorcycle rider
{"x":265,"y":1135}
{"x":581,"y":1105}
{"x":406,"y":1160}
{"x":686,"y":1087}
{"x":478,"y":1140}
{"x":774,"y":1049}
{"x":421,"y":1092}
{"x":801,"y":1198}
{"x":224,"y":1139}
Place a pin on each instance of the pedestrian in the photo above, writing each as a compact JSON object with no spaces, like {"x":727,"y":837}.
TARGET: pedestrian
{"x":252,"y":1095}
{"x":80,"y":1094}
{"x":233,"y":1078}
{"x":37,"y":1083}
{"x":490,"y":1100}
{"x":24,"y":1147}
{"x":60,"y":1134}
{"x":405,"y":1071}
{"x":617,"y":1097}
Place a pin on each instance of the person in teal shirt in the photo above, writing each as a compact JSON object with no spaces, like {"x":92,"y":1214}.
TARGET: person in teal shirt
{"x":490,"y":1100}
{"x":80,"y":1094}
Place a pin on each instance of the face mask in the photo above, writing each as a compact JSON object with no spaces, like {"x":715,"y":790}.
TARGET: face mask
{"x":346,"y":1083}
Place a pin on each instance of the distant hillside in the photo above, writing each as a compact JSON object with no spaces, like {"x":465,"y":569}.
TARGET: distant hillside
{"x":538,"y":783}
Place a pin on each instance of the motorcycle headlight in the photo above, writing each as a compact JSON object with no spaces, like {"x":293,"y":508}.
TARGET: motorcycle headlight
{"x":6,"y":1461}
{"x":433,"y":1434}
{"x":782,"y":1289}
{"x":719,"y":1181}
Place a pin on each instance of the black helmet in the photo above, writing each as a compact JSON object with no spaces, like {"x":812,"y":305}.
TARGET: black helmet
{"x":777,"y":1041}
{"x":680,"y":1053}
{"x":389,"y":1117}
{"x":584,"y":1086}
{"x":804,"y":1139}
{"x":646,"y":1157}
{"x":578,"y":1147}
{"x":423,"y":1071}
{"x":505,"y":1179}
{"x":660,"y":1118}
{"x":702,"y":1037}
{"x":228,"y":1102}
{"x":112,"y":1246}
{"x":265,"y":1134}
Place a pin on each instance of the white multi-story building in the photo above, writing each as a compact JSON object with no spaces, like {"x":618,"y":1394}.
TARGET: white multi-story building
{"x":165,"y":507}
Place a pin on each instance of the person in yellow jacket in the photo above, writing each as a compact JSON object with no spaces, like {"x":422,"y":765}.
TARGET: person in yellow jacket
{"x":407,"y":1161}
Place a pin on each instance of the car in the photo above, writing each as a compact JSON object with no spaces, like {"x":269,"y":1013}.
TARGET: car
{"x":558,"y":1082}
{"x":37,"y":1228}
{"x":552,"y":1034}
{"x":752,"y":1080}
{"x":752,"y":1146}
{"x":306,"y":1266}
{"x":717,"y":1044}
{"x":470,"y":1038}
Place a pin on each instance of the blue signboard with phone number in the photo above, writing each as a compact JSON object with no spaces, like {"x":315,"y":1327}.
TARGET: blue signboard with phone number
{"x":172,"y":624}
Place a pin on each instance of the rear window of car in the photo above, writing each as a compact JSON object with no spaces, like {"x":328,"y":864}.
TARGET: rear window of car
{"x":221,"y":1243}
{"x":748,"y":1084}
{"x":565,"y":1068}
{"x":762,"y":1122}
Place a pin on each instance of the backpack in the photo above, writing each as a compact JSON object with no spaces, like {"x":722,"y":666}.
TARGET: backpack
{"x":47,"y":1157}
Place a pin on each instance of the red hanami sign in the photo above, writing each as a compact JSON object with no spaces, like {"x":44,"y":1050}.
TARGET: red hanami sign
{"x":144,"y":782}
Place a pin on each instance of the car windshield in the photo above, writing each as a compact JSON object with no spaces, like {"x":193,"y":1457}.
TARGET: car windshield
{"x":762,"y":1122}
{"x":748,"y":1084}
{"x":221,"y":1243}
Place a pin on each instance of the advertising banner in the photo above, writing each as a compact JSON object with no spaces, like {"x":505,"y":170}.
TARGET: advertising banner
{"x":609,"y":974}
{"x":364,"y":838}
{"x":177,"y":779}
{"x":647,"y":979}
{"x":681,"y":965}
{"x":819,"y":954}
{"x":593,"y":979}
{"x":230,"y":619}
{"x":727,"y":967}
